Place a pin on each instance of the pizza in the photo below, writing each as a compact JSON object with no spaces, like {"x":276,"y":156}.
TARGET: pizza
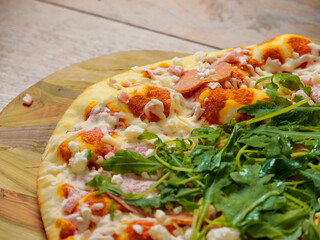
{"x":218,"y":145}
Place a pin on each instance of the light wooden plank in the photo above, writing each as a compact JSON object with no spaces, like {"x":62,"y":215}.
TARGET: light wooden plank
{"x":20,"y":211}
{"x":19,"y":169}
{"x":37,"y":39}
{"x":217,"y":23}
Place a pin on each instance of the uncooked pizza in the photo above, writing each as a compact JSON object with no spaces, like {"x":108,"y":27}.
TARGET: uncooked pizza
{"x":219,"y":146}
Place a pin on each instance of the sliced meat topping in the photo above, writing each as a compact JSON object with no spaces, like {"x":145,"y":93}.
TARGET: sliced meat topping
{"x":71,"y":195}
{"x":142,"y":149}
{"x":128,"y":207}
{"x":190,"y":80}
{"x":136,"y":186}
{"x":123,"y":97}
{"x":315,"y":93}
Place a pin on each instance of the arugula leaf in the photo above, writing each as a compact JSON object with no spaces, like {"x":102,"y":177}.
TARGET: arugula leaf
{"x":210,"y":134}
{"x":144,"y":202}
{"x":259,"y":108}
{"x":202,"y":156}
{"x":313,"y":176}
{"x":150,"y":136}
{"x":104,"y":185}
{"x":280,"y":167}
{"x":286,"y":80}
{"x":188,"y":205}
{"x":125,"y":161}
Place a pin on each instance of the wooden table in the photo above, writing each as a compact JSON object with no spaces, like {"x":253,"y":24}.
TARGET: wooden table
{"x":38,"y":38}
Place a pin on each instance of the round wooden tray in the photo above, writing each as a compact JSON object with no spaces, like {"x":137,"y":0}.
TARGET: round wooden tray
{"x":24,"y":132}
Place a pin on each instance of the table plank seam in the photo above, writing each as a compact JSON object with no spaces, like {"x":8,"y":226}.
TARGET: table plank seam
{"x":127,"y":23}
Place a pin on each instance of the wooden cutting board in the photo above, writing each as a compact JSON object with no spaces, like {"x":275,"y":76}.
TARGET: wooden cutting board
{"x":24,"y":132}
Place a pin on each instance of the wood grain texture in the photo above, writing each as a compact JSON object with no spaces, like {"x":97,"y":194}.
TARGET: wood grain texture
{"x":24,"y":132}
{"x":37,"y":39}
{"x":218,"y":23}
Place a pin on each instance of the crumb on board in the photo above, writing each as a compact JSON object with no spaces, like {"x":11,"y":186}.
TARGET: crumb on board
{"x":27,"y":100}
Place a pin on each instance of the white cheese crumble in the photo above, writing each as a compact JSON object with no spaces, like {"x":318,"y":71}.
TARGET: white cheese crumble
{"x":78,"y":162}
{"x":200,"y":55}
{"x":211,"y":57}
{"x":177,"y":61}
{"x":57,"y":169}
{"x":108,"y":139}
{"x":149,"y":152}
{"x":133,"y":131}
{"x":86,"y":215}
{"x":137,"y":228}
{"x":156,"y":107}
{"x":177,"y":210}
{"x":116,"y":179}
{"x":224,"y":233}
{"x":214,"y":85}
{"x":160,"y":216}
{"x":159,"y":232}
{"x":27,"y":100}
{"x":97,"y":206}
{"x":205,"y":73}
{"x":314,"y":48}
{"x":73,"y":147}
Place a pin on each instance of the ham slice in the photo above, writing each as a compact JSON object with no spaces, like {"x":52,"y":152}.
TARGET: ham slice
{"x":190,"y":80}
{"x":142,"y":149}
{"x":128,"y":207}
{"x":315,"y":93}
{"x":73,"y":197}
{"x":136,"y":186}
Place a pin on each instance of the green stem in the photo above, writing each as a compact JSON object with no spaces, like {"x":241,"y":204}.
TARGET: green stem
{"x":187,"y":192}
{"x":298,"y":154}
{"x":153,"y":186}
{"x":189,"y":180}
{"x":194,"y":233}
{"x":170,"y":166}
{"x":294,"y":183}
{"x":239,"y":155}
{"x":204,"y":230}
{"x":180,"y":165}
{"x":198,"y":225}
{"x":273,"y":114}
{"x":297,"y":201}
